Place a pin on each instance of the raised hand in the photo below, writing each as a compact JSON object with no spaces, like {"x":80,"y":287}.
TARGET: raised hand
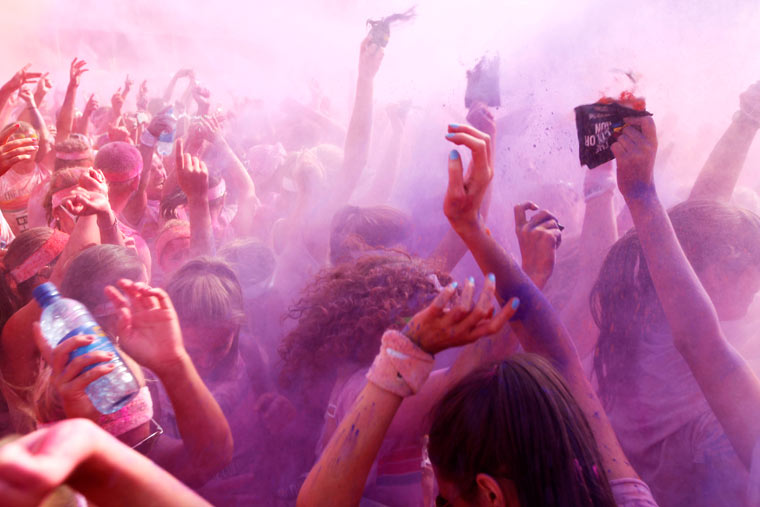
{"x":27,"y":96}
{"x":71,"y":376}
{"x":210,"y":129}
{"x":82,"y":203}
{"x":539,"y":239}
{"x":635,"y":152}
{"x":370,"y":58}
{"x":91,"y":106}
{"x":142,"y":96}
{"x":161,"y":123}
{"x":480,"y":117}
{"x":128,"y":82}
{"x":44,"y":85}
{"x":17,"y":150}
{"x":117,"y":102}
{"x":192,"y":174}
{"x":148,"y":325}
{"x":22,"y":78}
{"x":452,"y":322}
{"x":465,"y":194}
{"x":76,"y":70}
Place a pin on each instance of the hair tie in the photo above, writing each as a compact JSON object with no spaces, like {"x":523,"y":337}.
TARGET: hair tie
{"x":73,"y":155}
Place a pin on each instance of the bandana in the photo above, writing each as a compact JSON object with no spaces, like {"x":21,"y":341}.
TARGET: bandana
{"x":43,"y":256}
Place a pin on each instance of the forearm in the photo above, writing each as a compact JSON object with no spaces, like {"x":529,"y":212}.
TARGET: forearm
{"x":243,"y":190}
{"x":339,"y":476}
{"x":201,"y":230}
{"x":204,"y":429}
{"x":117,"y":475}
{"x":356,"y":149}
{"x":385,"y":176}
{"x":170,"y":90}
{"x":66,"y":115}
{"x":82,"y":124}
{"x":718,"y":177}
{"x":599,"y":233}
{"x":109,"y":229}
{"x":46,"y":140}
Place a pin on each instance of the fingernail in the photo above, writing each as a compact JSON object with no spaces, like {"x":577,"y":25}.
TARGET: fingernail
{"x":491,"y":277}
{"x":455,"y":285}
{"x":454,"y":125}
{"x":471,"y":280}
{"x":453,"y":155}
{"x":515,"y":303}
{"x":561,"y":227}
{"x":449,"y":136}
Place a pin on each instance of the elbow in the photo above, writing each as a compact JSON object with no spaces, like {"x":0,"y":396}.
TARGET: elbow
{"x":212,"y":459}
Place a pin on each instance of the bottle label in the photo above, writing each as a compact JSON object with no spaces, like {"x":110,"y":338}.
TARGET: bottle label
{"x":102,"y":342}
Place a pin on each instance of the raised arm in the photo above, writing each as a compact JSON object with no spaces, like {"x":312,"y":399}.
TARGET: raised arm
{"x":80,"y":454}
{"x":64,"y":125}
{"x":599,"y":233}
{"x":32,"y":115}
{"x":727,"y":382}
{"x":21,"y":78}
{"x":536,"y":324}
{"x":150,"y":333}
{"x":192,"y":176}
{"x":238,"y":181}
{"x":718,"y":177}
{"x":356,"y":149}
{"x":340,"y":474}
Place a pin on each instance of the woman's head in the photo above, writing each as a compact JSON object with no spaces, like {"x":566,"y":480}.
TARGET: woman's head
{"x":121,"y":164}
{"x":722,"y":244}
{"x":512,"y":433}
{"x":173,"y":245}
{"x":209,"y":302}
{"x":95,"y":268}
{"x":28,"y":262}
{"x":355,"y":229}
{"x":75,"y":151}
{"x":253,"y":263}
{"x":344,"y":311}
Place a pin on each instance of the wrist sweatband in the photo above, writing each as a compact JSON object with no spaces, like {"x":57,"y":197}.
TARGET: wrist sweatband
{"x":598,"y":182}
{"x":135,"y":413}
{"x":401,"y":367}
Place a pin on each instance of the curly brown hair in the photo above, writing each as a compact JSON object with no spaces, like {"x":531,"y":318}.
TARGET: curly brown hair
{"x":344,"y":311}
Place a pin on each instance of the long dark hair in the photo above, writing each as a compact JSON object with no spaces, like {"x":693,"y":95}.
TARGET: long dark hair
{"x":624,"y":303}
{"x":518,"y":421}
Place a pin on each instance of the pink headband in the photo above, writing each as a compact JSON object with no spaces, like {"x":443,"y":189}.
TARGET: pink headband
{"x":43,"y":256}
{"x":58,"y":197}
{"x":217,"y":191}
{"x":135,"y":413}
{"x":177,"y":231}
{"x":114,"y":177}
{"x":73,"y":155}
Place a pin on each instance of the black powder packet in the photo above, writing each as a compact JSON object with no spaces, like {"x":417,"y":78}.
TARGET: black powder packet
{"x":598,"y":126}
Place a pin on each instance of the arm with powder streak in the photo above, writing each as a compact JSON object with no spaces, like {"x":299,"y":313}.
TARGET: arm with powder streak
{"x":64,"y":125}
{"x":536,"y":324}
{"x":727,"y":382}
{"x":340,"y":474}
{"x":192,"y":176}
{"x":718,"y":177}
{"x":356,"y":149}
{"x":381,"y":188}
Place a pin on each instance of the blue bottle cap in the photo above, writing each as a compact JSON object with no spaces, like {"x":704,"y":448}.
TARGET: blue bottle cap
{"x":44,"y":294}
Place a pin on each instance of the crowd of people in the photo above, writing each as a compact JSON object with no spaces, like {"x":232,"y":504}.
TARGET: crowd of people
{"x":298,"y":340}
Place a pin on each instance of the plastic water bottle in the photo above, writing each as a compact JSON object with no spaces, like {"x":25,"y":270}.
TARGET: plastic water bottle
{"x":166,"y":139}
{"x":64,"y":318}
